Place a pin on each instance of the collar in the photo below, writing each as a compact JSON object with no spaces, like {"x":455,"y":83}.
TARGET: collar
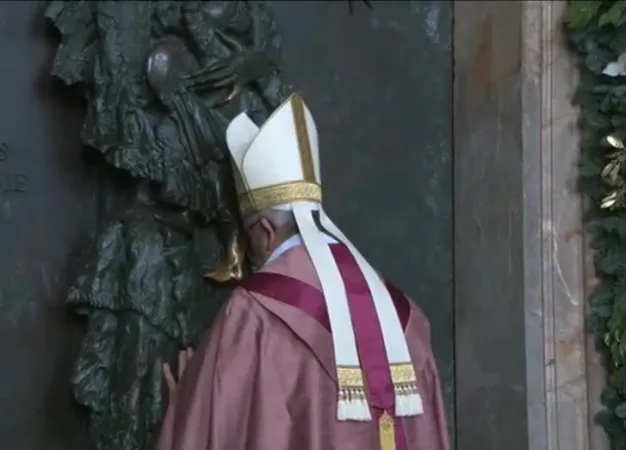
{"x":292,"y":242}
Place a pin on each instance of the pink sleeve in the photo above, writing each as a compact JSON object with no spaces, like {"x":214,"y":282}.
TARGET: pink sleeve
{"x":434,"y":411}
{"x":431,"y":432}
{"x":216,"y":391}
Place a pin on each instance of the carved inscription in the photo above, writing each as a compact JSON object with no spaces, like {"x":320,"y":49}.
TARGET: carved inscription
{"x":11,"y":182}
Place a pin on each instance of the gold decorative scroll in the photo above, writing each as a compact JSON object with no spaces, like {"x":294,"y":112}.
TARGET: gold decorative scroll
{"x":279,"y":194}
{"x":402,"y":373}
{"x":350,"y":377}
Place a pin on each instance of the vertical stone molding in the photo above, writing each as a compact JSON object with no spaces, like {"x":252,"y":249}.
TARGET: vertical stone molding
{"x":528,"y":376}
{"x":563,"y":397}
{"x":573,"y":375}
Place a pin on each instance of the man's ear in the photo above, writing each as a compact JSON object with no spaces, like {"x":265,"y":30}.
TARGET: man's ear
{"x":270,"y":233}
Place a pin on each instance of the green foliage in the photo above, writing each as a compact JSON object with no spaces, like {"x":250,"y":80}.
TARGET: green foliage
{"x":596,"y":31}
{"x":580,"y":13}
{"x":614,"y":15}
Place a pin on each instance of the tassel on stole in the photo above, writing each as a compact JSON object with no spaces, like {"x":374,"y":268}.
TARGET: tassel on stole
{"x":352,"y":403}
{"x":408,"y":401}
{"x":407,"y":397}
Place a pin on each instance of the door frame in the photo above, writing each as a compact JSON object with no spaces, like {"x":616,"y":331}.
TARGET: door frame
{"x":527,"y":374}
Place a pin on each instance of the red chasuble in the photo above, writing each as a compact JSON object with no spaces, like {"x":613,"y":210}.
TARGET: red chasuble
{"x":265,"y":379}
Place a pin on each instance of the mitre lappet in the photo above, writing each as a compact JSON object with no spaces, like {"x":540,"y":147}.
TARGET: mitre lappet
{"x":277,"y":166}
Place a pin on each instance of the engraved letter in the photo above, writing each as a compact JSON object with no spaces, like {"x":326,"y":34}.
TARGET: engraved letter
{"x":19,"y":182}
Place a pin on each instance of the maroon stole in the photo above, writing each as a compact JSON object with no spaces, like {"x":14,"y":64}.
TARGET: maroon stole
{"x":366,"y":327}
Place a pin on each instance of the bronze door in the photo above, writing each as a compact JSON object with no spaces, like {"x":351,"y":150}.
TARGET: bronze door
{"x":380,"y":86}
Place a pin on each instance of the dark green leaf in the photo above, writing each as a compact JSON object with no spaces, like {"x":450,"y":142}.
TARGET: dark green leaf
{"x":615,"y":15}
{"x":580,"y":13}
{"x":620,"y":411}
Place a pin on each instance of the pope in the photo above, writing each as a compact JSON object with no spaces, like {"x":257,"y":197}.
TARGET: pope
{"x":315,"y":350}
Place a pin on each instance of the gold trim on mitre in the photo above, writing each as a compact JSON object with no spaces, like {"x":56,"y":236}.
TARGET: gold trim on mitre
{"x":305,"y":189}
{"x":279,"y":194}
{"x":304,"y":140}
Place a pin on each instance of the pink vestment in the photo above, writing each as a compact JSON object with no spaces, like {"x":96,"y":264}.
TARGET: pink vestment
{"x":265,"y":379}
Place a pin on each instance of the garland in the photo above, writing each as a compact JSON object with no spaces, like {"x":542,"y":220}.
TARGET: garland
{"x":596,"y":31}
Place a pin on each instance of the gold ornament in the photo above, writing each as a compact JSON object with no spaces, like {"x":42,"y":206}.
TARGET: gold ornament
{"x":232,"y":268}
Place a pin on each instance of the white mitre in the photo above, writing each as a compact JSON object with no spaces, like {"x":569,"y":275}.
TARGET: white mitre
{"x":277,"y":166}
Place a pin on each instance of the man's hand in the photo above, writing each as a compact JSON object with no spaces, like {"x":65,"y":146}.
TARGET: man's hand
{"x":172,"y":382}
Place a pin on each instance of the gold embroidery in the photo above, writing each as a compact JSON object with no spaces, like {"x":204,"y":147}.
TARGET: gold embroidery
{"x":304,"y":143}
{"x":386,"y":432}
{"x":350,"y":377}
{"x":278,"y":194}
{"x":402,"y":373}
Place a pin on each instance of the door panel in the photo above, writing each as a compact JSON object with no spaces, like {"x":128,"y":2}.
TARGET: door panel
{"x":46,"y":211}
{"x":379,"y":84}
